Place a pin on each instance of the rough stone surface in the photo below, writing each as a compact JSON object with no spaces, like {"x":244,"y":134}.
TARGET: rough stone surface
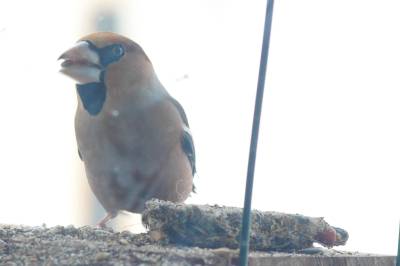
{"x":215,"y":226}
{"x":21,"y":245}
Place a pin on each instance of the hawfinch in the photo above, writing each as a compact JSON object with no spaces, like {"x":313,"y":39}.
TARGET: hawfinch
{"x":132,"y":136}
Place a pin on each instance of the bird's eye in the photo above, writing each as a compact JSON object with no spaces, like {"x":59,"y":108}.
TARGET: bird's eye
{"x":117,"y":50}
{"x":111,"y":54}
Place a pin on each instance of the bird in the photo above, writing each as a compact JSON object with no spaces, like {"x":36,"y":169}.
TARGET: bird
{"x":132,"y":135}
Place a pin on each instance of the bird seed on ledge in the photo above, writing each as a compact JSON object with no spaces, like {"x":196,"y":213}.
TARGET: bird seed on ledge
{"x":216,"y":226}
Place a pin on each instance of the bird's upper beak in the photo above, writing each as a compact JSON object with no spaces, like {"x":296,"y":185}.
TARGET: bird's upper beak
{"x":81,"y":63}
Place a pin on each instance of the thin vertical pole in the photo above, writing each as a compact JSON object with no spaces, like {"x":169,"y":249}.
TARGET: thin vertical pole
{"x":245,"y":232}
{"x":398,"y":250}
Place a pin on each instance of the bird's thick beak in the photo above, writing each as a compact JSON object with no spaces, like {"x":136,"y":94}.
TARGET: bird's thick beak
{"x":81,"y":63}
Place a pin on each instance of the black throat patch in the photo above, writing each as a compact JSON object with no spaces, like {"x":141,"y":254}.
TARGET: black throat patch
{"x":93,"y":96}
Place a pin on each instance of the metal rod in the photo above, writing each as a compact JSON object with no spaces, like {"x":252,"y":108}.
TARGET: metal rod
{"x":246,"y":221}
{"x":398,"y":250}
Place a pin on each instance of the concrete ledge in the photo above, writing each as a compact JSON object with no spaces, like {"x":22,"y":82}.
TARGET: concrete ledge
{"x":301,"y":260}
{"x":60,"y":245}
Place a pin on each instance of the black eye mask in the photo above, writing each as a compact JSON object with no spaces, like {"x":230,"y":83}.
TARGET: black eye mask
{"x":108,"y":54}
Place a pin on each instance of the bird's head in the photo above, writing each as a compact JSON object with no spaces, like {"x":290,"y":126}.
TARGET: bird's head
{"x":108,"y":61}
{"x":104,"y":53}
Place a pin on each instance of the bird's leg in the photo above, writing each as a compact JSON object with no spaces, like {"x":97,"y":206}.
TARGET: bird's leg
{"x":103,"y":222}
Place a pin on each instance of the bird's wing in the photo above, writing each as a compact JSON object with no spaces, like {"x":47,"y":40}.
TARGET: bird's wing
{"x":187,"y":139}
{"x":80,"y":154}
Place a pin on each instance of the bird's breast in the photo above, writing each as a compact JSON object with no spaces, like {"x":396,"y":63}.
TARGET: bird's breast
{"x":134,"y":141}
{"x":127,"y":152}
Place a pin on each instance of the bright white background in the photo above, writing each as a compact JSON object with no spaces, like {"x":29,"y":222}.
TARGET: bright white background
{"x":330,"y":135}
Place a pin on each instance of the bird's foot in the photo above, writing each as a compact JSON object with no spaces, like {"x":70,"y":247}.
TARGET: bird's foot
{"x":103,"y":222}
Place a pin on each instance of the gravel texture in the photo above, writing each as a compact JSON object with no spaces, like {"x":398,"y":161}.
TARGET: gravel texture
{"x":22,"y":245}
{"x":182,"y":234}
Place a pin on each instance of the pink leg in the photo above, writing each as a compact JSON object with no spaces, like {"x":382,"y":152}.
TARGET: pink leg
{"x":103,"y":222}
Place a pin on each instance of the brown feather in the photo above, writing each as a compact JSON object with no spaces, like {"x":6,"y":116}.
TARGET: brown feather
{"x":137,"y":154}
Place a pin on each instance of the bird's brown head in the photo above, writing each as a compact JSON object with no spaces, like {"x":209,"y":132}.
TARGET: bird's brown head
{"x":105,"y":61}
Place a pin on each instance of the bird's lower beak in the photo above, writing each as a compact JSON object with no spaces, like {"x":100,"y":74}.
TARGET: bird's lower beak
{"x":81,"y":63}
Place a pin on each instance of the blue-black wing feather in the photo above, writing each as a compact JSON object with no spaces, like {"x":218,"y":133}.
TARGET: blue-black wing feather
{"x":187,"y":139}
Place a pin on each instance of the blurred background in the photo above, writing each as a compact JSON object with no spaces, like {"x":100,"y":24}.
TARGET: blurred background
{"x":330,"y":135}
